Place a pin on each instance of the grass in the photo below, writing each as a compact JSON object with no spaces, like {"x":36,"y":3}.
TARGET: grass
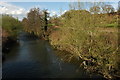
{"x":112,"y":25}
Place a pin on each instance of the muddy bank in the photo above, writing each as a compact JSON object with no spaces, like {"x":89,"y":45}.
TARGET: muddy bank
{"x":7,"y":43}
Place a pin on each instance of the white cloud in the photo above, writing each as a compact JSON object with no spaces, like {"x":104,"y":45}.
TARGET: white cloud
{"x":11,"y":9}
{"x":52,"y":13}
{"x":7,"y":8}
{"x":115,"y":5}
{"x":64,"y":11}
{"x":48,"y":11}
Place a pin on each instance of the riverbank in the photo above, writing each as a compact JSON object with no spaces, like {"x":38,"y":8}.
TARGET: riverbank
{"x":7,"y":43}
{"x":67,"y":57}
{"x":10,"y":29}
{"x":93,"y":50}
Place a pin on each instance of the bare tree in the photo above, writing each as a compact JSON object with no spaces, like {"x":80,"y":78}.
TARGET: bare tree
{"x":118,"y":8}
{"x":95,"y":9}
{"x":76,"y":5}
{"x":108,"y":9}
{"x":72,"y":6}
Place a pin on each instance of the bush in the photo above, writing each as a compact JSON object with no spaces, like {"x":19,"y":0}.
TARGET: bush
{"x":11,"y":25}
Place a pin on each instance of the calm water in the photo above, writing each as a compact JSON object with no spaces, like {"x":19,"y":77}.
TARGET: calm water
{"x":36,"y":59}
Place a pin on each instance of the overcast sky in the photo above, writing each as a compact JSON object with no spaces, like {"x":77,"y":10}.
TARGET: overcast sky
{"x":20,"y":9}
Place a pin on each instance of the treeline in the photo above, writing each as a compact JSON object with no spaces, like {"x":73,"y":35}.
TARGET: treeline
{"x":95,"y":7}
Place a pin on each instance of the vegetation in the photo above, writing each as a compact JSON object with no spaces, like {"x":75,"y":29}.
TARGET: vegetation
{"x":91,"y":37}
{"x":10,"y":26}
{"x":36,"y":22}
{"x":88,"y":35}
{"x":10,"y":30}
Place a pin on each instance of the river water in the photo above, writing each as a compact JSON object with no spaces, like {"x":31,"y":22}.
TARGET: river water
{"x":33,"y":58}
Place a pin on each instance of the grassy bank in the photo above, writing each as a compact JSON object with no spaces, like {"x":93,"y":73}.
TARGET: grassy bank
{"x":90,"y":38}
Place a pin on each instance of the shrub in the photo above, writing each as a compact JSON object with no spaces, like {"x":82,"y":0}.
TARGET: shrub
{"x":11,"y":25}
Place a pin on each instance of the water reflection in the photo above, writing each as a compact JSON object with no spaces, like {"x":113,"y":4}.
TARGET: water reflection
{"x":36,"y":59}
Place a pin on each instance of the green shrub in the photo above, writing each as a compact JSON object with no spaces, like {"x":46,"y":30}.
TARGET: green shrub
{"x":11,"y":25}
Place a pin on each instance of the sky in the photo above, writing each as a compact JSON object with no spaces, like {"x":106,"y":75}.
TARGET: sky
{"x":20,"y":9}
{"x":53,"y":7}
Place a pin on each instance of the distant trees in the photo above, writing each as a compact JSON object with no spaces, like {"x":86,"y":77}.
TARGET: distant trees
{"x":55,"y":20}
{"x":24,"y":22}
{"x":98,"y":7}
{"x":108,"y":9}
{"x":119,"y":7}
{"x":95,"y":9}
{"x":76,"y":5}
{"x":36,"y":21}
{"x":102,"y":9}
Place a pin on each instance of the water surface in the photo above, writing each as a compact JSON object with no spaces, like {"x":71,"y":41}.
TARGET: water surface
{"x":34,"y":58}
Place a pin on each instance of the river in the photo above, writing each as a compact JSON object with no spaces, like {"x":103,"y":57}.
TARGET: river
{"x":34,"y":58}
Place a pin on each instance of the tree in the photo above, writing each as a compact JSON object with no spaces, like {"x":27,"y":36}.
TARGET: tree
{"x":95,"y":9}
{"x":76,"y":5}
{"x":79,"y":5}
{"x":25,"y":23}
{"x":35,"y":21}
{"x":108,"y":9}
{"x":46,"y":15}
{"x":11,"y":25}
{"x":72,"y":6}
{"x":118,"y":8}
